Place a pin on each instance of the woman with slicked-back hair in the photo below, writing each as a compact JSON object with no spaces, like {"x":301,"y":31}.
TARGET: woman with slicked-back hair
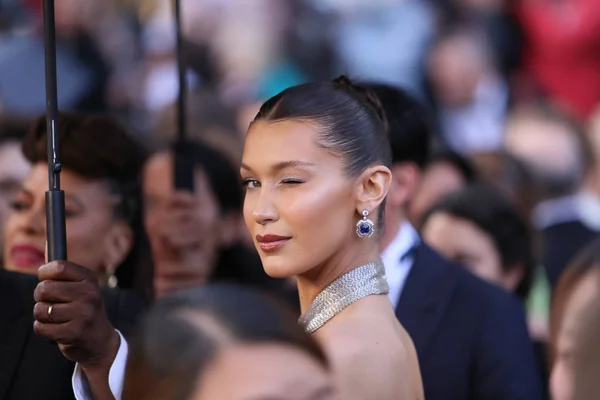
{"x":316,"y":167}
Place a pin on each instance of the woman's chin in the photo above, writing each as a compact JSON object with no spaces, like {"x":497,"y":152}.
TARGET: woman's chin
{"x":22,"y":269}
{"x":278,"y":269}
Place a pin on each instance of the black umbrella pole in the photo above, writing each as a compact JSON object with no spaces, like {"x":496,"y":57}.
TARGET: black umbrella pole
{"x":55,"y":197}
{"x":184,"y":165}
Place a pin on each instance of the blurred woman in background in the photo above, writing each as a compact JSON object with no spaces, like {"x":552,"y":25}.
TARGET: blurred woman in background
{"x":101,"y":164}
{"x":224,"y":342}
{"x":13,"y":165}
{"x":586,"y":360}
{"x":576,"y":289}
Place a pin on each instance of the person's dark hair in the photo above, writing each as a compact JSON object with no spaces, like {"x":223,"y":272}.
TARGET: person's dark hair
{"x":183,"y":333}
{"x":98,"y":148}
{"x":511,"y":176}
{"x":13,"y":128}
{"x":223,"y":179}
{"x":349,"y":118}
{"x":586,"y":260}
{"x":460,"y":163}
{"x":409,"y":124}
{"x":490,"y":211}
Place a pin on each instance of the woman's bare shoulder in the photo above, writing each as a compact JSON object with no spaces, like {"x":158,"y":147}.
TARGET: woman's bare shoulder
{"x":372,"y":348}
{"x":368,"y":364}
{"x":365,"y":339}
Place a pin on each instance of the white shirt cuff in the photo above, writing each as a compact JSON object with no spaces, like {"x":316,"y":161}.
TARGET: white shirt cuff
{"x":81,"y":388}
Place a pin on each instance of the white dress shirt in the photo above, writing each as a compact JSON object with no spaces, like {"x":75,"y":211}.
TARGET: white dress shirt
{"x":116,"y":375}
{"x":397,"y":267}
{"x":583,"y":207}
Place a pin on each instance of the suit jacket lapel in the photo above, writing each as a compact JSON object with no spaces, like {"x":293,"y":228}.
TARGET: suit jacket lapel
{"x":15,"y":329}
{"x":426,"y":294}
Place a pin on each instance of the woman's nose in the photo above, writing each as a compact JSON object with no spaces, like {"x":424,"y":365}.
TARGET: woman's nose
{"x":265,"y":210}
{"x":34,"y":222}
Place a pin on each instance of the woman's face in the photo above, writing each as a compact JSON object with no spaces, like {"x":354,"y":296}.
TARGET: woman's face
{"x":299,"y":207}
{"x":561,"y":379}
{"x":180,"y":226}
{"x":264,"y":372}
{"x":462,"y":241}
{"x":95,"y":239}
{"x":13,"y":171}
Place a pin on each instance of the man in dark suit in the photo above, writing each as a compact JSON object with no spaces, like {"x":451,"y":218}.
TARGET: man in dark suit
{"x":471,"y":337}
{"x":39,"y":346}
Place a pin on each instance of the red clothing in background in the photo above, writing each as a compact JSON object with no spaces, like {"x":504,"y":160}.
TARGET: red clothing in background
{"x":562,"y":50}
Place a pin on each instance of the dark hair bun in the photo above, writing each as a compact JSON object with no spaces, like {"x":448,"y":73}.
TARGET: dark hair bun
{"x":343,"y":80}
{"x":367,"y":95}
{"x":349,"y":120}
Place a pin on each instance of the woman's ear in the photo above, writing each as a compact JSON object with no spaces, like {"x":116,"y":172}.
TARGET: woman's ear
{"x":371,"y":188}
{"x":119,"y":243}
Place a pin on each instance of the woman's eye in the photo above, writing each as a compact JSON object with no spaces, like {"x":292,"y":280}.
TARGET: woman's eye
{"x":251,"y":183}
{"x":292,"y":181}
{"x":18,"y":205}
{"x":70,"y":213}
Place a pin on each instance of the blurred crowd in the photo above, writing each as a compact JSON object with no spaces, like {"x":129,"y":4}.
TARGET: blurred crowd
{"x":509,"y":187}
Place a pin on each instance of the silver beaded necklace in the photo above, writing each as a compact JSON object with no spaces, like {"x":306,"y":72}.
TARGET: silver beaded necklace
{"x":361,"y":282}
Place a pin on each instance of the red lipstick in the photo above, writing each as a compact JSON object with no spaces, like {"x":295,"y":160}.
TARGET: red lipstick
{"x":27,"y":256}
{"x":269,"y":243}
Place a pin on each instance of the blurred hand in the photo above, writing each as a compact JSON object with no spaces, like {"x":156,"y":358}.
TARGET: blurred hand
{"x":77,"y":321}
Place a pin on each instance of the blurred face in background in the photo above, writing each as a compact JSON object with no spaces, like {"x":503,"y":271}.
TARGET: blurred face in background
{"x":13,"y":171}
{"x":438,"y":179}
{"x":95,"y":238}
{"x":264,"y":371}
{"x":462,"y":241}
{"x":561,"y":379}
{"x":455,"y":68}
{"x":186,"y":230}
{"x":546,"y":145}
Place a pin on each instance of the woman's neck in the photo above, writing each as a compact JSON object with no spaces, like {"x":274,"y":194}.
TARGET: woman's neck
{"x":313,"y":282}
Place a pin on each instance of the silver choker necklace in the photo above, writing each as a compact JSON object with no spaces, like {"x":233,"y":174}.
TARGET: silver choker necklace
{"x":345,"y":290}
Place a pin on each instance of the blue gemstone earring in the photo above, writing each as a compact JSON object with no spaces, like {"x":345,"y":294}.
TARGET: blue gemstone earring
{"x":365,"y":227}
